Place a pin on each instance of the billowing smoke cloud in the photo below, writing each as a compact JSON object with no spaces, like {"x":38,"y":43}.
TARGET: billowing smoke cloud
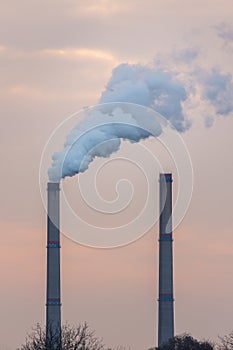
{"x":101,"y":132}
{"x":152,"y":88}
{"x":164,"y":90}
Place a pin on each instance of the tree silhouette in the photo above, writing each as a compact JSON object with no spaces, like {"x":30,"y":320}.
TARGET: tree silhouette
{"x":72,"y":338}
{"x":226,"y":342}
{"x":186,"y":342}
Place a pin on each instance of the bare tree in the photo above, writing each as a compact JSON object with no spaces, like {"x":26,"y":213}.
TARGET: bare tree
{"x":72,"y":338}
{"x":186,"y":342}
{"x":226,"y":342}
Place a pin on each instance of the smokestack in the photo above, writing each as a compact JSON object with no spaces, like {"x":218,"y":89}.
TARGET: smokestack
{"x":166,"y":300}
{"x":53,"y":305}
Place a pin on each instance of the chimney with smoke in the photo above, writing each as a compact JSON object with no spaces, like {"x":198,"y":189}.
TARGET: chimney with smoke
{"x":53,"y":304}
{"x":166,"y":300}
{"x":100,"y":134}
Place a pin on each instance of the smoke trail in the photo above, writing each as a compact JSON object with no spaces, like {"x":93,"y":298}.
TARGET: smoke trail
{"x":99,"y":135}
{"x":152,"y":88}
{"x":101,"y":132}
{"x":162,"y":90}
{"x":217,"y":89}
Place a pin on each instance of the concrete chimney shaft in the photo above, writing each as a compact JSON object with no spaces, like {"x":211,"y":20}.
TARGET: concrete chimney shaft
{"x":166,"y":300}
{"x":53,"y":304}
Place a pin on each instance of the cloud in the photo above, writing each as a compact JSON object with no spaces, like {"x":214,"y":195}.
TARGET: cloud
{"x":74,"y":53}
{"x":61,"y":52}
{"x":225,"y":31}
{"x":209,"y":89}
{"x":71,"y":74}
{"x":209,"y":121}
{"x":186,"y":55}
{"x":217,"y":88}
{"x":36,"y":93}
{"x":102,"y":8}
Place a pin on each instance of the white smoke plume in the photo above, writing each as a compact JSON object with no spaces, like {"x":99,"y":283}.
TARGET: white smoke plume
{"x":163,"y":90}
{"x":101,"y":132}
{"x":99,"y":135}
{"x":157,"y":89}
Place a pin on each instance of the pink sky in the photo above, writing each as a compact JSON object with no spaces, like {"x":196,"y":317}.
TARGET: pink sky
{"x":57,"y":56}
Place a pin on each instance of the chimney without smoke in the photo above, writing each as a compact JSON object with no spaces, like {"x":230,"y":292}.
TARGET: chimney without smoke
{"x":166,"y":300}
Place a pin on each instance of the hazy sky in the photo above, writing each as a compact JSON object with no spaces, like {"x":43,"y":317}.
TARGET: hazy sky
{"x":57,"y":56}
